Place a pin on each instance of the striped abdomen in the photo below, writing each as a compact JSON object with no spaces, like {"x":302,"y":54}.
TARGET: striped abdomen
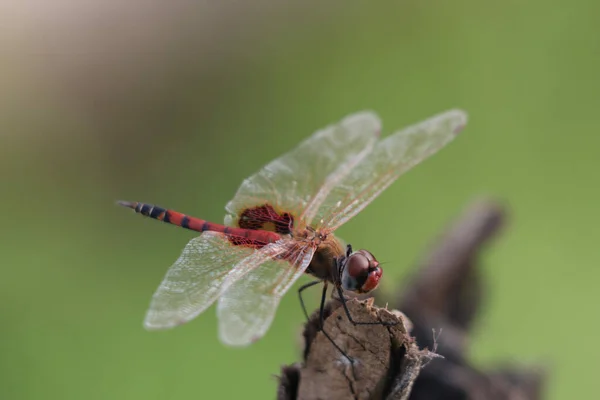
{"x":237,"y":236}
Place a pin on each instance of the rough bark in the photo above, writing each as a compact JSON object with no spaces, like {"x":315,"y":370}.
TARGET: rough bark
{"x":386,"y":359}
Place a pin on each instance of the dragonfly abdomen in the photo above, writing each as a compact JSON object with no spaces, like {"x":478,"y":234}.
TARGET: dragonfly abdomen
{"x":238,"y":236}
{"x":166,"y":215}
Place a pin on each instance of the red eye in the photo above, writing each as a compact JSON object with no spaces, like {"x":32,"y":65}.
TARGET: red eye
{"x":372,"y":280}
{"x":361,"y":272}
{"x":358,"y":265}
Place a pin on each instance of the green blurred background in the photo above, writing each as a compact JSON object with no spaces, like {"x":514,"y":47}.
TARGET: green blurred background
{"x":175,"y":103}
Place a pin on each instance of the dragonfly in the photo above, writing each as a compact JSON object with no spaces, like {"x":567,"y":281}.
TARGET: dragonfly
{"x":280,"y":226}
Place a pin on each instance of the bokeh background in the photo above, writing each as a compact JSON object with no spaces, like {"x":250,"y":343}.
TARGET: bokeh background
{"x":174,"y":103}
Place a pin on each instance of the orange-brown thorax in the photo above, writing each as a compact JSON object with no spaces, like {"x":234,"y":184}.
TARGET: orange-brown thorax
{"x":266,"y":218}
{"x":323,"y":263}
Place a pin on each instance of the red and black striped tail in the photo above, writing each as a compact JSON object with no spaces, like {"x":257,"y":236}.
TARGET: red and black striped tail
{"x":237,"y":236}
{"x":170,"y":216}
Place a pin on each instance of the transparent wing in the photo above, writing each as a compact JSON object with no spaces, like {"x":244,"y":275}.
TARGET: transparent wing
{"x":198,"y":278}
{"x":389,"y":159}
{"x":291,"y":182}
{"x":246,"y":310}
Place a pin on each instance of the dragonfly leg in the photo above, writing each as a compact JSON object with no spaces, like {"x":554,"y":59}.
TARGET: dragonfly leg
{"x":322,"y":323}
{"x":348,"y":250}
{"x":321,"y":313}
{"x":343,"y":300}
{"x":306,"y":286}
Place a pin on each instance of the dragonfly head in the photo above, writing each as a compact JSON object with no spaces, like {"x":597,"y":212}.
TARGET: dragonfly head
{"x":361,"y":272}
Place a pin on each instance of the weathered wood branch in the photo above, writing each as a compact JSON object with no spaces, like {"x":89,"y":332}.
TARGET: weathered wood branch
{"x":386,"y":358}
{"x":444,"y":295}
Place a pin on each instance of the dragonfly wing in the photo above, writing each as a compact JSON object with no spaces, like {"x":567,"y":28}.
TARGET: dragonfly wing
{"x":246,"y":310}
{"x":291,"y":182}
{"x":389,"y":159}
{"x":198,"y":278}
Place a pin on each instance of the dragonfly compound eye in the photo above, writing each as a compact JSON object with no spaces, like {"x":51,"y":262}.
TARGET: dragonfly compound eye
{"x":361,"y":273}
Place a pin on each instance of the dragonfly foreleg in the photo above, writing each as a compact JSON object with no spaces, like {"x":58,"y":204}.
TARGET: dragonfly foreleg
{"x":302,"y":288}
{"x":348,"y":250}
{"x":322,"y":324}
{"x":321,"y":314}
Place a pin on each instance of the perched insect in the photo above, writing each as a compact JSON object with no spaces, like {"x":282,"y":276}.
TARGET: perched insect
{"x":281,"y":222}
